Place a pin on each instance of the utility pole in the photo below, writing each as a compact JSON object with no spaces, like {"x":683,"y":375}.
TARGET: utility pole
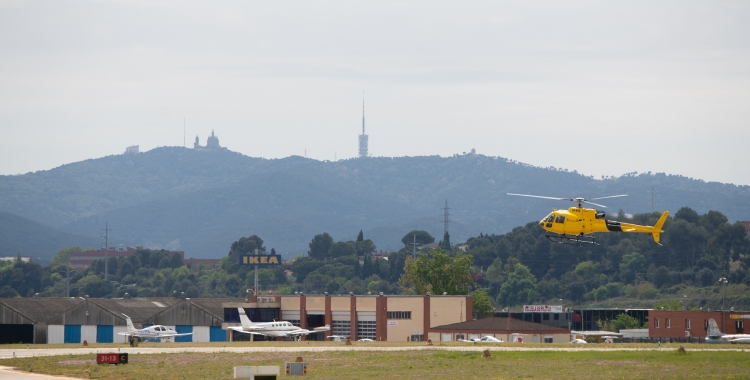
{"x":106,"y":250}
{"x":256,"y":277}
{"x":67,"y":278}
{"x":445,"y":224}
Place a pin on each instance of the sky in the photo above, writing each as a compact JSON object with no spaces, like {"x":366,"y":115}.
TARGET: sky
{"x":604,"y":88}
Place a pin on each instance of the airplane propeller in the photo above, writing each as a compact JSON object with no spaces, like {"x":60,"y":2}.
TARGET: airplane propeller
{"x":578,"y":200}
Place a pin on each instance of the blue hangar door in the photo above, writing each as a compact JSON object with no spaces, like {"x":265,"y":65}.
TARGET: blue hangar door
{"x":183,"y":329}
{"x":72,"y":334}
{"x":216,"y":334}
{"x":105,"y":333}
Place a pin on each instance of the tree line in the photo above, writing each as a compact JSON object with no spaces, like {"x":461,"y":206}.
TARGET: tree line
{"x":506,"y":270}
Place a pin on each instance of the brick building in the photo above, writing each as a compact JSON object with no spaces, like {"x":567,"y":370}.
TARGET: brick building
{"x":687,"y":324}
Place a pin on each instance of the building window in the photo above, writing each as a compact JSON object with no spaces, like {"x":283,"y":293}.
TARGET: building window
{"x":460,"y":337}
{"x":545,"y":317}
{"x":557,"y":317}
{"x":666,"y":323}
{"x":294,"y":322}
{"x":548,"y":339}
{"x":342,"y":328}
{"x":687,"y":324}
{"x":705,"y":324}
{"x":740,"y":326}
{"x":656,"y":323}
{"x":399,"y":315}
{"x":417,"y":338}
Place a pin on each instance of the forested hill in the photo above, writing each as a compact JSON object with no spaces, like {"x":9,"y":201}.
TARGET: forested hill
{"x":201,"y":201}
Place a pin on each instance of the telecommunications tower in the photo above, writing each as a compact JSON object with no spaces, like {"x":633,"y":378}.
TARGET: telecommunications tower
{"x":363,"y":137}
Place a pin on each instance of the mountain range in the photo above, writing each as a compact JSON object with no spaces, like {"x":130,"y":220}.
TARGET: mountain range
{"x":201,"y":201}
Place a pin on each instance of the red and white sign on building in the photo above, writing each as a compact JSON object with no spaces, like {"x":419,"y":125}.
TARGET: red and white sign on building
{"x":542,"y":309}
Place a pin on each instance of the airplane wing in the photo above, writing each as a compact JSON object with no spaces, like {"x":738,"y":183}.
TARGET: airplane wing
{"x":126,"y":334}
{"x":239,"y":329}
{"x":171,"y":335}
{"x":742,"y":340}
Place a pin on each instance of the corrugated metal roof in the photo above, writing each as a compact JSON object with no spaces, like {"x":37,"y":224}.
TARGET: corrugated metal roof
{"x":138,"y":309}
{"x":40,"y":309}
{"x":500,"y":324}
{"x":213,"y":306}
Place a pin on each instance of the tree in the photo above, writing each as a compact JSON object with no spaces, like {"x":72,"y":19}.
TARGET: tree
{"x":304,"y":266}
{"x":519,"y":288}
{"x":670,"y":304}
{"x":632,"y":265}
{"x":446,"y":243}
{"x":320,"y":246}
{"x":341,"y":249}
{"x":422,"y":237}
{"x":481,"y":304}
{"x":63,"y":255}
{"x":437,"y":272}
{"x":621,"y":322}
{"x":361,"y":236}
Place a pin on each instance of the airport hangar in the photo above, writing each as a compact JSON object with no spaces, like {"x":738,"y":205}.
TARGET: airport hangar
{"x":52,"y":320}
{"x":379,"y":317}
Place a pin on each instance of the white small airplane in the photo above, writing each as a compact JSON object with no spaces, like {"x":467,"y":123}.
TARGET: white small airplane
{"x":273,"y":329}
{"x":152,"y":332}
{"x":715,"y":335}
{"x":365,"y":340}
{"x":578,"y":341}
{"x":337,"y":338}
{"x":484,"y":339}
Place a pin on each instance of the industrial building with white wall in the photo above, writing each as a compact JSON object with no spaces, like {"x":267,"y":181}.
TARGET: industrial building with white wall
{"x":73,"y":320}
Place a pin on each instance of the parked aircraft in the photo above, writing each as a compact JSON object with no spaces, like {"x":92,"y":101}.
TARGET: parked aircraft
{"x":484,"y":339}
{"x":337,"y":338}
{"x":715,"y":335}
{"x":152,"y":332}
{"x":274,"y":329}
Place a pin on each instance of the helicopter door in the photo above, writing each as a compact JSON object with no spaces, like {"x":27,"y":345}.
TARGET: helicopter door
{"x":561,"y":220}
{"x":549,"y":220}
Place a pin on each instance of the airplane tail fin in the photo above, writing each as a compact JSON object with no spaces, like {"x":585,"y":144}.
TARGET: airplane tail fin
{"x":129,"y":322}
{"x":246,"y":322}
{"x":657,"y":227}
{"x":713,"y":328}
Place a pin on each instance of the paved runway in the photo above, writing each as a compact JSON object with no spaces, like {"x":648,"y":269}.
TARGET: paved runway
{"x":7,"y":373}
{"x":25,"y":353}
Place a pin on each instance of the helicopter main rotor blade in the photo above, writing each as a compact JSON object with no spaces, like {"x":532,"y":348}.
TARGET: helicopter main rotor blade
{"x":611,"y":196}
{"x":539,"y":196}
{"x":595,"y":204}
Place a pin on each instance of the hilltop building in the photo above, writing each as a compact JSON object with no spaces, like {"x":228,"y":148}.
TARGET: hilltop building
{"x":363,"y":137}
{"x":211,"y":143}
{"x":133,"y":149}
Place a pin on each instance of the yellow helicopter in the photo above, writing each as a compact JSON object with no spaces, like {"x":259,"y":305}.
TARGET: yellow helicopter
{"x":576,"y":224}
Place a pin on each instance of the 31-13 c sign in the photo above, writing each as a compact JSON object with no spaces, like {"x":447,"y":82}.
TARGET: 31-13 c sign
{"x":113,"y":358}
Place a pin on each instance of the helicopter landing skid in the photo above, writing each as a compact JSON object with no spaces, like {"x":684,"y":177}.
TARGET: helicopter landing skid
{"x":571,"y":240}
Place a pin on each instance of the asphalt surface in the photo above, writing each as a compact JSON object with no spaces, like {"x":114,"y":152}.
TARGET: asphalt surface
{"x":7,"y":373}
{"x":25,"y":353}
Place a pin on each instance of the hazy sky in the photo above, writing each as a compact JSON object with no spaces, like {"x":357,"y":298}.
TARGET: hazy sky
{"x":603,"y":87}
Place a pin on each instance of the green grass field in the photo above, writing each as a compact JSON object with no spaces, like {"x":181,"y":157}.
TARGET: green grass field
{"x":577,"y":364}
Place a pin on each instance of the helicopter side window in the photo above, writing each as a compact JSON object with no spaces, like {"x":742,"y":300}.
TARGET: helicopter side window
{"x":551,"y":218}
{"x":560,"y":219}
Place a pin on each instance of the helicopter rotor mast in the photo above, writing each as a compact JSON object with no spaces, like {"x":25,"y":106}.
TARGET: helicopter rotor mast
{"x":579,"y":200}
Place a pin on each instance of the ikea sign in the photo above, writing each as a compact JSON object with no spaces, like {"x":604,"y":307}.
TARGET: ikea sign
{"x":263,"y":260}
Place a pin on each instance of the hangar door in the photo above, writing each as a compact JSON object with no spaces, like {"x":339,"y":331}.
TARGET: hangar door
{"x":105,"y":333}
{"x":183,"y":329}
{"x":16,"y":333}
{"x":72,"y":334}
{"x":217,"y":334}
